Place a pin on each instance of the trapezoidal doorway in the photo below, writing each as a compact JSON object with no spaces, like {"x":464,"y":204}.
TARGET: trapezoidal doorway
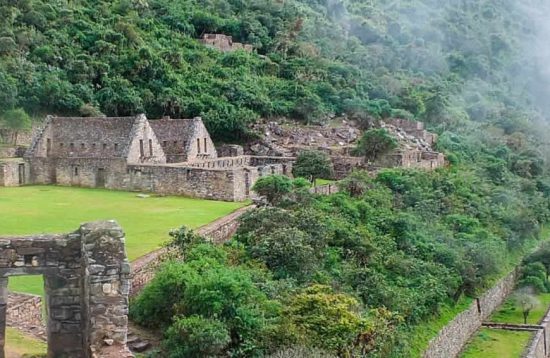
{"x":86,"y":282}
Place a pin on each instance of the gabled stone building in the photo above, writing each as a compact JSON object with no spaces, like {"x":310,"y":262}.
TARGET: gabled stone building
{"x":184,"y":140}
{"x":87,"y":151}
{"x":165,"y":156}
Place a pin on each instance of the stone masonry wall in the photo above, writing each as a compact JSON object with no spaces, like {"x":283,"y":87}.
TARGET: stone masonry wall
{"x":536,"y":348}
{"x":9,"y":173}
{"x":86,"y":288}
{"x":24,"y":309}
{"x":180,"y":180}
{"x":327,"y":189}
{"x":453,"y":337}
{"x":224,"y":43}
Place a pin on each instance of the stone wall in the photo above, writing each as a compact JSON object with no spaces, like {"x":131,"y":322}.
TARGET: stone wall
{"x":327,"y":189}
{"x":12,"y":172}
{"x":89,"y":172}
{"x":181,"y":180}
{"x":454,"y":336}
{"x":145,"y":267}
{"x":343,"y":166}
{"x":24,"y":309}
{"x":11,"y":151}
{"x":537,"y":347}
{"x":86,"y":281}
{"x":230,"y":150}
{"x":184,"y":139}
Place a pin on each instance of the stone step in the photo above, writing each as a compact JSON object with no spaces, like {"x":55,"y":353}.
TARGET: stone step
{"x":140,"y":346}
{"x":132,"y":338}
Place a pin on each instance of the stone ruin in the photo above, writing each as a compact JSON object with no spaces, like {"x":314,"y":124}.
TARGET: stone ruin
{"x":224,"y":43}
{"x":86,"y":282}
{"x":339,"y":139}
{"x":164,"y":156}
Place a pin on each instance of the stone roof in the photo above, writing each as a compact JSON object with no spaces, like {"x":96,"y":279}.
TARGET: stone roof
{"x":174,"y":129}
{"x":98,"y":130}
{"x":87,"y":136}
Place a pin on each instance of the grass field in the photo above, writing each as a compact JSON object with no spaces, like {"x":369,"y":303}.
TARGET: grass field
{"x":146,"y":221}
{"x":510,"y":313}
{"x":496,"y":343}
{"x":19,"y":344}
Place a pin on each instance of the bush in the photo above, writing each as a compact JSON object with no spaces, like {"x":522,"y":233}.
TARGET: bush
{"x":196,"y":336}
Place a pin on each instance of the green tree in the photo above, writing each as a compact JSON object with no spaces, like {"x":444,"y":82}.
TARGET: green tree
{"x":313,"y":164}
{"x":542,"y":255}
{"x":16,"y":121}
{"x":273,"y":187}
{"x":526,"y":301}
{"x":287,"y":252}
{"x":376,"y":142}
{"x":326,"y":319}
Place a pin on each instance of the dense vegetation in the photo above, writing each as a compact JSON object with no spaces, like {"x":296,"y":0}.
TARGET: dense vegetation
{"x":351,"y":273}
{"x":440,"y":61}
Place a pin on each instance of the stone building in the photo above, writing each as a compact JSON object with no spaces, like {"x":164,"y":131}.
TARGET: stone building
{"x":415,"y":148}
{"x":184,"y":139}
{"x":12,"y":172}
{"x":224,"y":43}
{"x":166,"y":156}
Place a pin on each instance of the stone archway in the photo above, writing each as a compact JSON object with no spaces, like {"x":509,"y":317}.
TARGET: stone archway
{"x":86,"y":275}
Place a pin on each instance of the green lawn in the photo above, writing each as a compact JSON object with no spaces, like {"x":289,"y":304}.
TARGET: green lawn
{"x":510,"y":313}
{"x":146,"y":221}
{"x":19,"y":344}
{"x":320,"y":182}
{"x":497,"y":343}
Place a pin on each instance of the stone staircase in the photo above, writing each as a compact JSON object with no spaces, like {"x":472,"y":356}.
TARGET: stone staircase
{"x":136,"y":343}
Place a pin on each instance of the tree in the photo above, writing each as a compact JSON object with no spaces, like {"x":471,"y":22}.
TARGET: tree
{"x":273,"y":187}
{"x":542,"y":255}
{"x":356,"y":184}
{"x":182,"y":239}
{"x":326,"y":319}
{"x":313,"y":164}
{"x":526,"y":301}
{"x":16,"y":120}
{"x":375,"y":143}
{"x":288,"y":252}
{"x":533,"y":275}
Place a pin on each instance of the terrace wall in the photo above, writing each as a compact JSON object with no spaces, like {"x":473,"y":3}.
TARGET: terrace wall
{"x":452,"y":338}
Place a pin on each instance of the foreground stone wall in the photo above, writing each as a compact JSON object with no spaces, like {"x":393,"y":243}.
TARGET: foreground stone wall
{"x":453,"y":337}
{"x":86,"y":280}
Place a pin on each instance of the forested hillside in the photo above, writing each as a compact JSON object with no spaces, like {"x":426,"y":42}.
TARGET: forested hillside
{"x":441,"y":61}
{"x":358,"y":273}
